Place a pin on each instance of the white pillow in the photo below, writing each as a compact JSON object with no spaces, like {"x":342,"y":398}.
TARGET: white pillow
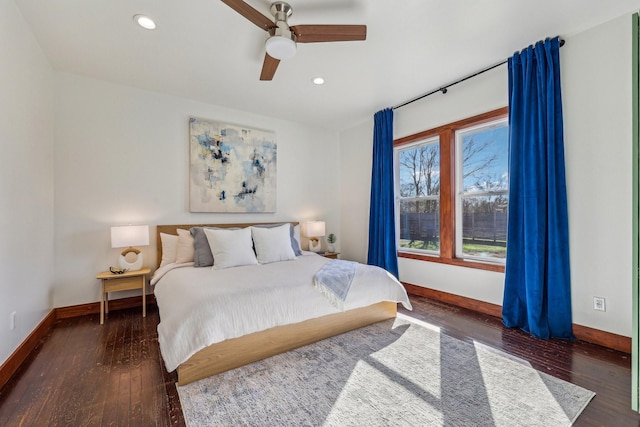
{"x":231,"y":248}
{"x":185,"y":250}
{"x":169,"y":248}
{"x":272,"y":244}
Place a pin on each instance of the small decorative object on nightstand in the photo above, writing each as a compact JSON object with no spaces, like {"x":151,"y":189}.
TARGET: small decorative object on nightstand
{"x":331,"y":239}
{"x":111,"y":282}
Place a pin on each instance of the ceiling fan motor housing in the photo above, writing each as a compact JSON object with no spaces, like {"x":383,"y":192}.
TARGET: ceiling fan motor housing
{"x":281,"y":11}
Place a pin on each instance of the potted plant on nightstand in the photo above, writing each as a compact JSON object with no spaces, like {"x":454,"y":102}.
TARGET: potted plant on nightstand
{"x":331,"y":239}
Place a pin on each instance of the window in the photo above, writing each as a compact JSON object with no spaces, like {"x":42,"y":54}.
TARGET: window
{"x":452,"y":192}
{"x":419,"y":195}
{"x":482,"y":191}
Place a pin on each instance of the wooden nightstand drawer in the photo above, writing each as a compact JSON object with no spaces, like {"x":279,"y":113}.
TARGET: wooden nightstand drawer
{"x":123,"y":284}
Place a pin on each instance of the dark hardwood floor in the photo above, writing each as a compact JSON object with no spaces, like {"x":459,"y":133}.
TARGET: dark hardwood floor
{"x":84,"y":374}
{"x":87,"y":374}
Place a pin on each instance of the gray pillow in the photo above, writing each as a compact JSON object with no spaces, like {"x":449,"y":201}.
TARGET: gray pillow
{"x":202,"y":256}
{"x":294,"y":243}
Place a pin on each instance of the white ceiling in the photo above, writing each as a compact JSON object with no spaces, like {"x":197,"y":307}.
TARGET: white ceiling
{"x":204,"y":50}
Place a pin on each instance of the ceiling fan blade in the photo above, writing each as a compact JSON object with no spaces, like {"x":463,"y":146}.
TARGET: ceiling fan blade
{"x":250,"y":13}
{"x":269,"y":67}
{"x":329,"y":33}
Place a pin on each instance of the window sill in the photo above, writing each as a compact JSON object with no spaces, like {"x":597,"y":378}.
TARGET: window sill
{"x":453,"y":261}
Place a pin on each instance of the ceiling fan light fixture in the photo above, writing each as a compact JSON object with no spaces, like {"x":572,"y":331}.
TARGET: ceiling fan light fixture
{"x":280,"y":47}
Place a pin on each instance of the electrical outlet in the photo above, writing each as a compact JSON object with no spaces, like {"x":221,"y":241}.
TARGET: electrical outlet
{"x":12,"y":320}
{"x":599,"y":304}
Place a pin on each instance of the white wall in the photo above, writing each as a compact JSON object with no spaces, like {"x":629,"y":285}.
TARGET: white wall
{"x":356,"y":154}
{"x":26,"y":187}
{"x":596,"y":79}
{"x":122,"y":156}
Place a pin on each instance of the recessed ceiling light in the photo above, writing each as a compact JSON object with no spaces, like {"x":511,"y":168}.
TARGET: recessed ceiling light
{"x":318,"y":81}
{"x":145,"y":22}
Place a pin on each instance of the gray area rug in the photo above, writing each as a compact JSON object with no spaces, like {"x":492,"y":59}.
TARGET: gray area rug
{"x":398,"y":372}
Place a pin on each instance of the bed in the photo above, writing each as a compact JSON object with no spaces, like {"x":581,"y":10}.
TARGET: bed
{"x":213,"y":320}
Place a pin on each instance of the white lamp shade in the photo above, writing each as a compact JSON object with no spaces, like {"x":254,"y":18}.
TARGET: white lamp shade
{"x":129,"y":235}
{"x":314,"y":229}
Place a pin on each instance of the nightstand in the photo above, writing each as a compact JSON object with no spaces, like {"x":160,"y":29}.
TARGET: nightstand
{"x":332,"y":255}
{"x":122,"y":282}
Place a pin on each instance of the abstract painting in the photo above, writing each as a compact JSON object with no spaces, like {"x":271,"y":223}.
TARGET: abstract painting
{"x":233,"y":168}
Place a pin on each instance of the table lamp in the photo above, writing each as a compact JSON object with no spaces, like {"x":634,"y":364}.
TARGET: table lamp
{"x":128,"y":236}
{"x":313,"y":230}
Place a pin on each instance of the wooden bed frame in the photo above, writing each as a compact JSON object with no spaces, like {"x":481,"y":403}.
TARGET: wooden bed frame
{"x":236,"y":352}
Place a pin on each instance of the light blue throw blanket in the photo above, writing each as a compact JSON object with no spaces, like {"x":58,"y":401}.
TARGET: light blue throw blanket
{"x":334,"y":279}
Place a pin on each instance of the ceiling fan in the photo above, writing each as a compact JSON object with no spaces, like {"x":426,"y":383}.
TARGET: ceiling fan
{"x":281,"y":43}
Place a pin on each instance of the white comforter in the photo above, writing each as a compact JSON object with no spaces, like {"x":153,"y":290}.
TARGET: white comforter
{"x":200,"y":306}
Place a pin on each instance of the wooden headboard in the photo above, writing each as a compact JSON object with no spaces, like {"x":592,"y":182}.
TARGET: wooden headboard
{"x":173,"y":229}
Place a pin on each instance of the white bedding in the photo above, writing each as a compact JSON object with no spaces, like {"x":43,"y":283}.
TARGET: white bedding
{"x":200,"y":306}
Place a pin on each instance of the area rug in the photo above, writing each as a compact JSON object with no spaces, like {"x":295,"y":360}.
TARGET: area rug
{"x":399,"y":372}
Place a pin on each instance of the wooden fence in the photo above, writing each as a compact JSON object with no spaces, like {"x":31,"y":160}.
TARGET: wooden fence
{"x":488,"y":228}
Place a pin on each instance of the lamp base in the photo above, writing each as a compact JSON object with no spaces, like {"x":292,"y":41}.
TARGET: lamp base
{"x":314,"y":245}
{"x":136,"y":265}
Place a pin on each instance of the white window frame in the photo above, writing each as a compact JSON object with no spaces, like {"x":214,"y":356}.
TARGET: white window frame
{"x":396,"y":162}
{"x":459,"y":134}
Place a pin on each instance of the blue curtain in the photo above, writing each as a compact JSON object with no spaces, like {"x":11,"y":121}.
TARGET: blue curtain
{"x":382,"y":226}
{"x":537,"y":294}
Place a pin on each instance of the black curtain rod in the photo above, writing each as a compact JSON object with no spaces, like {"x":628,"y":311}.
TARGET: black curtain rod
{"x":443,"y":89}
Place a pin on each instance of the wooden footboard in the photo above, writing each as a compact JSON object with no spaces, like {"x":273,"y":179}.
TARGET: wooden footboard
{"x":236,"y":352}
